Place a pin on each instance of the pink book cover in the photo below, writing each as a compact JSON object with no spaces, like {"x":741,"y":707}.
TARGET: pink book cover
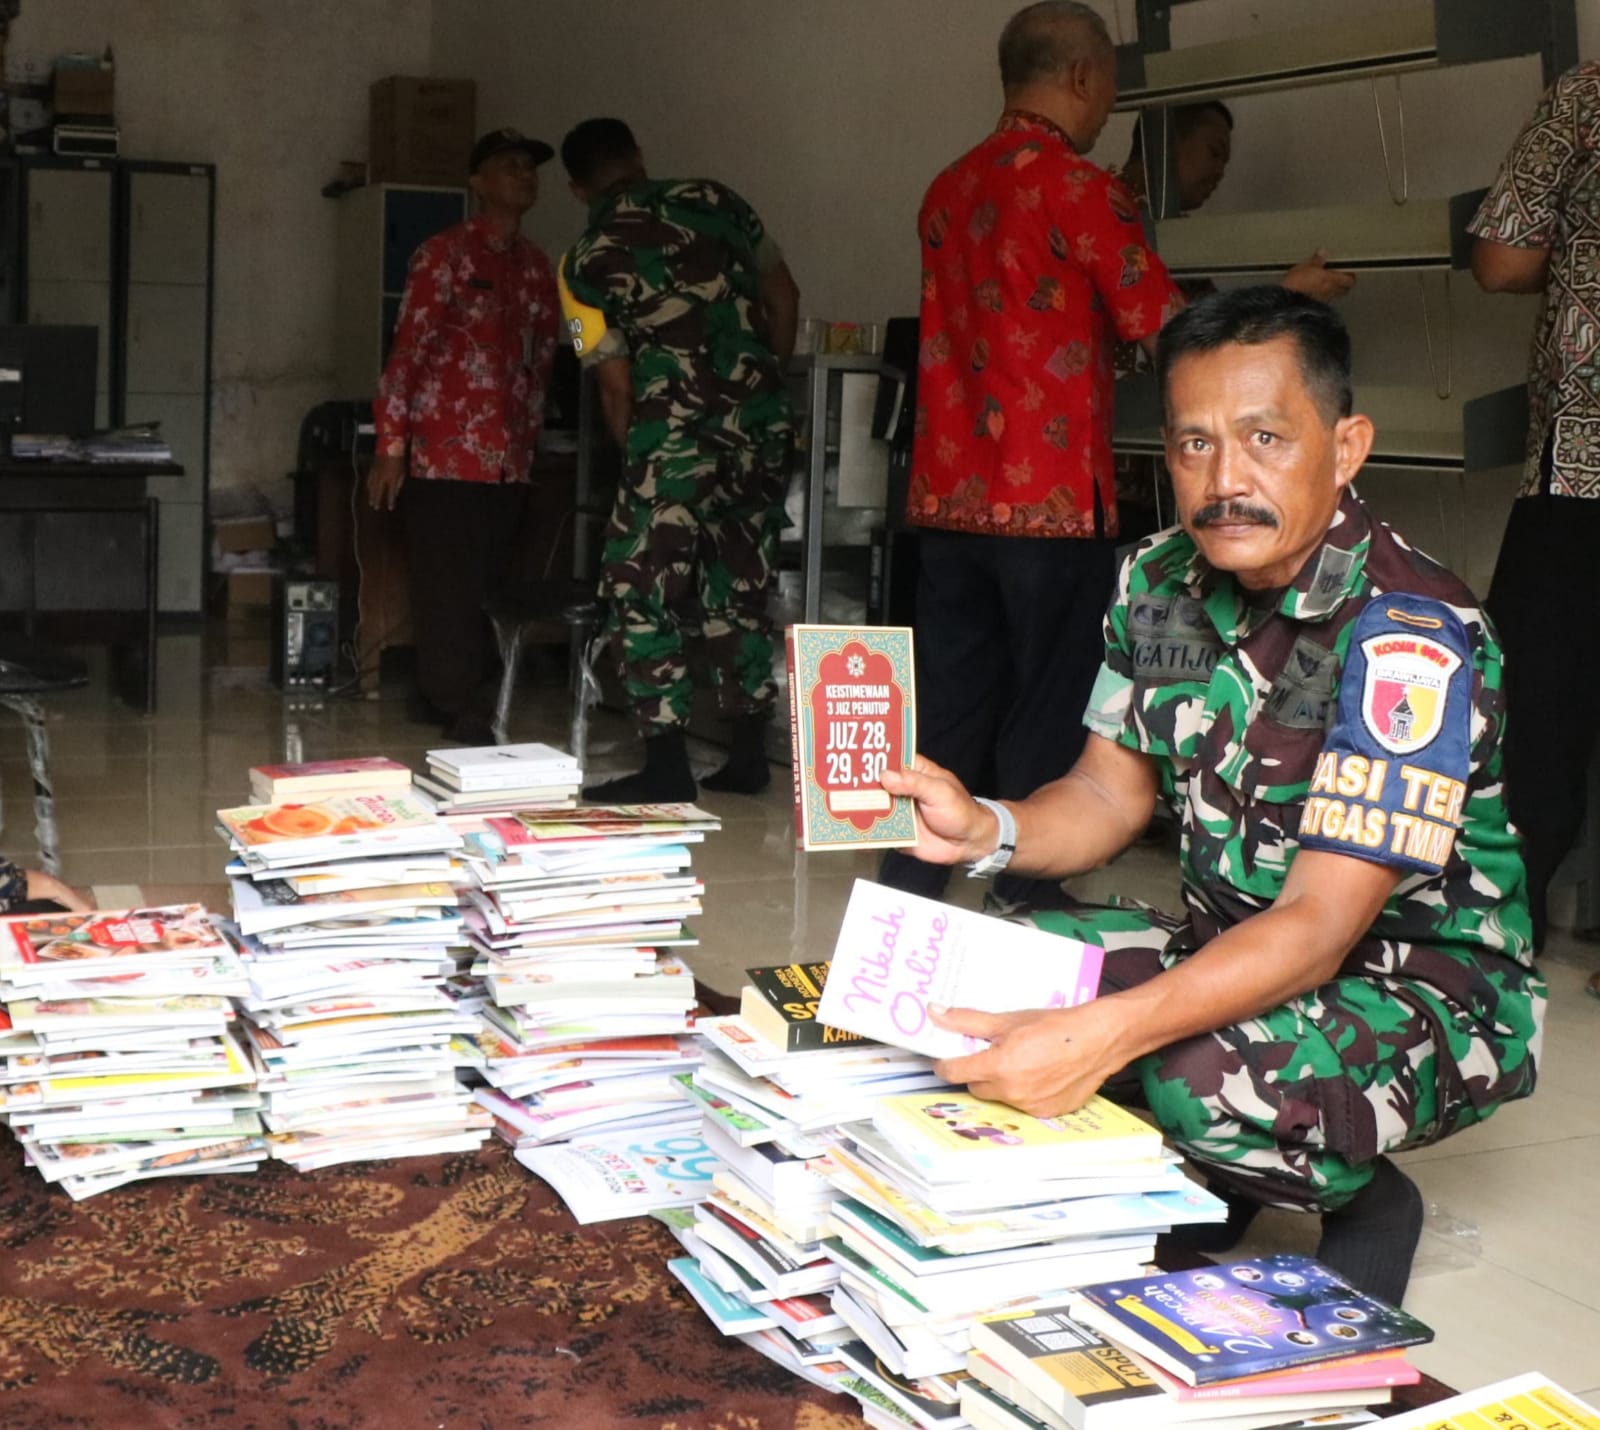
{"x":1358,"y":1373}
{"x":364,"y":765}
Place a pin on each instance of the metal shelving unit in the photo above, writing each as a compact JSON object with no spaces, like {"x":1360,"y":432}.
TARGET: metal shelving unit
{"x":1421,"y":429}
{"x":823,"y":530}
{"x":1417,"y":236}
{"x":1410,"y":35}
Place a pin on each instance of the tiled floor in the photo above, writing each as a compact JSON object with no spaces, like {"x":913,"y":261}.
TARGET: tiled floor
{"x":1509,"y":1271}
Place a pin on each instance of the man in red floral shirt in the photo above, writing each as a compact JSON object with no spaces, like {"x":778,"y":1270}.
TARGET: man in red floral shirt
{"x":463,"y":395}
{"x":1034,"y":265}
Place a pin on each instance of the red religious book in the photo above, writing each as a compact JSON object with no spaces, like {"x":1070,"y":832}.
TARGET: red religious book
{"x":852,"y":715}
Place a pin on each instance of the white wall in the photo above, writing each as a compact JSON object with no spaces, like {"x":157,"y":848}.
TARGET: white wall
{"x":830,"y":116}
{"x":274,"y":92}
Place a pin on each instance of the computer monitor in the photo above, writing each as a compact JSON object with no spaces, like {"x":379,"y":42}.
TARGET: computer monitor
{"x":47,"y":379}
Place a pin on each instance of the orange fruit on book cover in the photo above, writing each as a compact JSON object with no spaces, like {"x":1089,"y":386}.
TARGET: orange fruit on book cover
{"x":304,"y":821}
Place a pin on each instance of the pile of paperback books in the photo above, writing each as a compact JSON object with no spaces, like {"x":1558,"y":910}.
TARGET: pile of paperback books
{"x":121,"y":1061}
{"x":1277,"y":1340}
{"x":866,"y":1213}
{"x":349,"y":933}
{"x":501,"y":779}
{"x":574,"y":918}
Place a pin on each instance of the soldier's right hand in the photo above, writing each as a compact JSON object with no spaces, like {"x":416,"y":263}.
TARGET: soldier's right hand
{"x":384,"y":481}
{"x":952,"y":827}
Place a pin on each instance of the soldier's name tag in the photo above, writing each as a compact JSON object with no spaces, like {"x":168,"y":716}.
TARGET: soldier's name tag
{"x":1391,"y":782}
{"x":483,"y":284}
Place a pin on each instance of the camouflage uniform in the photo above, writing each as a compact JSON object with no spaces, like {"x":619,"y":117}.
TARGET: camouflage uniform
{"x":1358,"y":711}
{"x":674,"y":269}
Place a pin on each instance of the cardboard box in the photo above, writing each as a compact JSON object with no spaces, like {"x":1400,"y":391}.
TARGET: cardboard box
{"x":421,"y":130}
{"x":82,"y":89}
{"x":249,"y":592}
{"x":244,"y":533}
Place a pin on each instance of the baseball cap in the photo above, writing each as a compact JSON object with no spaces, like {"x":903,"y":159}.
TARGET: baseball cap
{"x":506,"y":141}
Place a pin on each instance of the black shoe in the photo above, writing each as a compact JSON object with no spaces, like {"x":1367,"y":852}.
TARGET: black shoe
{"x":470,"y":729}
{"x":747,"y":770}
{"x":665,"y":779}
{"x":1372,"y":1239}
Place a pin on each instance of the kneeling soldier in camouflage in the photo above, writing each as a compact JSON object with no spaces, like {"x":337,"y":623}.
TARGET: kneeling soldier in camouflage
{"x":685,"y":310}
{"x":1320,"y":706}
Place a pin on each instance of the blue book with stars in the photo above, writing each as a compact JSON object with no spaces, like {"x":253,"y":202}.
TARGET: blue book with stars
{"x":1242,"y":1318}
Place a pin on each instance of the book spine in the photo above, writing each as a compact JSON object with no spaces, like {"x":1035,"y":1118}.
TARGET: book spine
{"x":797,"y":759}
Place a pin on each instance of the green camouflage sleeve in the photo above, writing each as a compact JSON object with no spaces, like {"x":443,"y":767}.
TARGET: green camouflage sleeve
{"x":578,"y":272}
{"x":1110,"y":712}
{"x":763,"y":247}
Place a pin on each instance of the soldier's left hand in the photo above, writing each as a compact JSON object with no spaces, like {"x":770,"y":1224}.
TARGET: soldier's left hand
{"x":1044,"y":1061}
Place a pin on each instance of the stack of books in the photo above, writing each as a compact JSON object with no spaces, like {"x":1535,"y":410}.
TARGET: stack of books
{"x":912,"y":1207}
{"x":574,"y":918}
{"x":952,"y":1207}
{"x":550,"y":1094}
{"x":501,"y":779}
{"x":328,"y":779}
{"x":773,"y":1088}
{"x":1278,"y":1340}
{"x":120,"y":1058}
{"x":349,"y":932}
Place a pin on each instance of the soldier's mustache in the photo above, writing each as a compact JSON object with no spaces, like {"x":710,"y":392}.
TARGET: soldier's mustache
{"x":1232,"y":512}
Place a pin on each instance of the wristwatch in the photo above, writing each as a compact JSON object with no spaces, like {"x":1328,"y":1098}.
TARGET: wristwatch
{"x":995,"y":862}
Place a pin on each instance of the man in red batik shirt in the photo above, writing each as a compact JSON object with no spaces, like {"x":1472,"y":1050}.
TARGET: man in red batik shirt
{"x":1034,"y":265}
{"x":463,"y":395}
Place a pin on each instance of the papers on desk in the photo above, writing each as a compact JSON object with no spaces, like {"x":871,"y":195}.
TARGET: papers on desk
{"x":142,"y":444}
{"x":45,"y":448}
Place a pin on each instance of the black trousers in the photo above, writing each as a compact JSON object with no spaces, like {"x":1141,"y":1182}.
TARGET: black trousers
{"x":460,"y":538}
{"x":1545,"y":602}
{"x":1009,"y":640}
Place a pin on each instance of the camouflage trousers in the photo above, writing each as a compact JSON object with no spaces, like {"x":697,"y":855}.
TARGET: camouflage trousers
{"x":1291,"y":1108}
{"x":689,"y":555}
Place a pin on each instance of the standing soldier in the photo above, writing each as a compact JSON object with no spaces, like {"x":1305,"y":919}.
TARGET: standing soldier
{"x":686,"y":312}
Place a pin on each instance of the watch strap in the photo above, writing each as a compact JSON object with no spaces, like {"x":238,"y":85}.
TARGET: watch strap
{"x":994,"y":862}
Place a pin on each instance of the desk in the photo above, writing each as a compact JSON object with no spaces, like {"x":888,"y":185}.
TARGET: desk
{"x":36,"y":490}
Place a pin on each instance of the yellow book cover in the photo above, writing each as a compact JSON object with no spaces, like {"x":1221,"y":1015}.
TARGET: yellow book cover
{"x":237,"y":1070}
{"x":857,"y":1178}
{"x":1531,"y":1401}
{"x":957,"y":1125}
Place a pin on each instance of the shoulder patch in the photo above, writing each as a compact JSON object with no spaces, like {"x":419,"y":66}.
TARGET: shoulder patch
{"x":1406,"y":686}
{"x":591,"y":339}
{"x":1391,"y":782}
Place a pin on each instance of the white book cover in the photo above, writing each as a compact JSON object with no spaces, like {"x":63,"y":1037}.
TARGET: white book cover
{"x":512,"y":766}
{"x":898,"y":954}
{"x":605,"y":1178}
